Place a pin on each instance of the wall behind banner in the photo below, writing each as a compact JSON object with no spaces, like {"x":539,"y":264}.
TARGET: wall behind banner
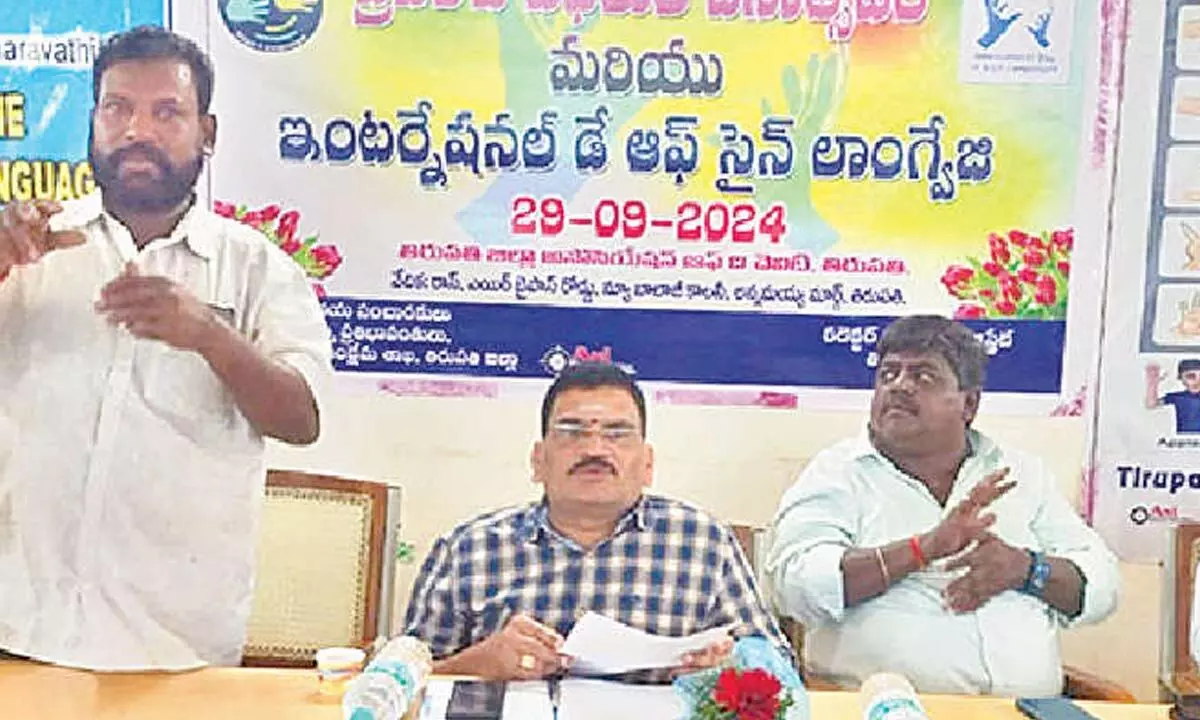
{"x":456,"y":456}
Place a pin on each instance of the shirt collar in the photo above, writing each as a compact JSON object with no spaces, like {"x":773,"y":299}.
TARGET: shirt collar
{"x":536,"y":522}
{"x":978,"y":446}
{"x":193,"y":228}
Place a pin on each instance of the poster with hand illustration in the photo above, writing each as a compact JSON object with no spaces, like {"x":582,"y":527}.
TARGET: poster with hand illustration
{"x":1177,"y":321}
{"x":1184,"y":399}
{"x":1147,"y":441}
{"x":1179,"y":252}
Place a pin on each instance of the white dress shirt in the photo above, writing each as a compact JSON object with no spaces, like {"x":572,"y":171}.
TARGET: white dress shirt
{"x":850,"y":496}
{"x":130,"y":483}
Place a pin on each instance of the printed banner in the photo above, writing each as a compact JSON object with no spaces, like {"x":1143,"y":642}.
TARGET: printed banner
{"x":714,"y":192}
{"x":1147,"y":471}
{"x":46,"y":55}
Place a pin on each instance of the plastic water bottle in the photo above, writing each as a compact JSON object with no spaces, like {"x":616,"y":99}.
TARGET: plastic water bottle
{"x":885,"y":696}
{"x":390,"y":683}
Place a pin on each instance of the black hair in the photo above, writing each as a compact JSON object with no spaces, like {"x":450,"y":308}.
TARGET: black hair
{"x":589,"y":375}
{"x":936,"y":334}
{"x":151,"y":42}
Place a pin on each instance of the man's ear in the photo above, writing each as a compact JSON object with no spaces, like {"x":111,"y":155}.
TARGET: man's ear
{"x":649,"y":467}
{"x":208,"y":129}
{"x":537,"y":462}
{"x":971,"y":405}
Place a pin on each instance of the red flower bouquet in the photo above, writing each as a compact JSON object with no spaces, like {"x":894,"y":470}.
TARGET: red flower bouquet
{"x":750,"y":694}
{"x":1022,"y":276}
{"x":318,"y":261}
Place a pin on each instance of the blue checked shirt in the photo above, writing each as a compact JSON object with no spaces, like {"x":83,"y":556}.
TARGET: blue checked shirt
{"x":668,"y":569}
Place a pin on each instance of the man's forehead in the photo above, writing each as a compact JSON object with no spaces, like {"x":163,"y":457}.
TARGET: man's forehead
{"x":914,"y":358}
{"x":140,"y":74}
{"x":593,"y":402}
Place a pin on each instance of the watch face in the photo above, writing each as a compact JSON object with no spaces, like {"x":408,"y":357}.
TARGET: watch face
{"x":1041,"y":573}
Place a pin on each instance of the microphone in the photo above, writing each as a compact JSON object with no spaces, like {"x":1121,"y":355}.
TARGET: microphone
{"x":887,"y":696}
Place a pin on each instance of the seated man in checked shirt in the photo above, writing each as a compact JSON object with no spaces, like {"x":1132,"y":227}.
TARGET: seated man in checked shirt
{"x":924,"y":548}
{"x":498,"y":594}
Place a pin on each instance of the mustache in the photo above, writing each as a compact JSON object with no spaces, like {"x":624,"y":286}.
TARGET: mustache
{"x":145,"y":150}
{"x":597,"y":463}
{"x":901,"y":403}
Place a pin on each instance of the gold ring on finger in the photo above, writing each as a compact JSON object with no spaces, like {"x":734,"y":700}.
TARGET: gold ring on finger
{"x":528,"y":662}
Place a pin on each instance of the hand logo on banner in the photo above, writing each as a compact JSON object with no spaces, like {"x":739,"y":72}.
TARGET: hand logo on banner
{"x":1001,"y":15}
{"x":292,"y":6}
{"x":271,"y":25}
{"x":247,"y":11}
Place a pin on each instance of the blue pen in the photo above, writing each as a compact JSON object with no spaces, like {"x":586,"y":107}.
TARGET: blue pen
{"x":554,"y":687}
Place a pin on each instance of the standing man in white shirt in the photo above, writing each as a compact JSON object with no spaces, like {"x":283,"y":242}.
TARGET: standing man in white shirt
{"x":925,"y":549}
{"x":149,"y":347}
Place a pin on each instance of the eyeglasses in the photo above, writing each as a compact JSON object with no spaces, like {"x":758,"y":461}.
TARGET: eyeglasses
{"x":924,"y":378}
{"x":573,"y":431}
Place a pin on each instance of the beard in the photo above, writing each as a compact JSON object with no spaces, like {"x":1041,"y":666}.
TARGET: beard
{"x":173,"y":186}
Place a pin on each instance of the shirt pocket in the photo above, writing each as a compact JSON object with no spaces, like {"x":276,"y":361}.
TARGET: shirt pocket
{"x":180,"y":388}
{"x":1015,"y":516}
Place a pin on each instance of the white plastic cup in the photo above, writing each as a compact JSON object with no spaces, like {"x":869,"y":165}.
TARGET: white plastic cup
{"x":337,"y":666}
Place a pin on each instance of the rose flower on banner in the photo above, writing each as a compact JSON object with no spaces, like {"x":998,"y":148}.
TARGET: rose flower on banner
{"x":317,"y":261}
{"x":1024,"y":276}
{"x":757,"y":684}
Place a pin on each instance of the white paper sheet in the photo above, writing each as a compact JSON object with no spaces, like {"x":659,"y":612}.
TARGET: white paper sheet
{"x":602,"y":646}
{"x":604,"y":700}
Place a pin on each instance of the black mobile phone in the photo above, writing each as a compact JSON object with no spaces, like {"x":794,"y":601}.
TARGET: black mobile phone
{"x":1053,"y":708}
{"x":476,"y":700}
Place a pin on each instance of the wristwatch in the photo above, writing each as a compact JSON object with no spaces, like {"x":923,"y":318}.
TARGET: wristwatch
{"x":1039,"y":574}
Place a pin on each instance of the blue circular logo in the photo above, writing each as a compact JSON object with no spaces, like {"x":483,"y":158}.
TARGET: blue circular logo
{"x":271,"y":25}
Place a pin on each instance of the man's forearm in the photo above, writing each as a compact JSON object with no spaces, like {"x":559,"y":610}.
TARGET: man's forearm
{"x":862,"y":576}
{"x":464,"y":662}
{"x":274,"y":397}
{"x":1064,"y":588}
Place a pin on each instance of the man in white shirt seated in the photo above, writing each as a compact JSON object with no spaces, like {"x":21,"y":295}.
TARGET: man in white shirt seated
{"x":923,"y":548}
{"x":148,"y":348}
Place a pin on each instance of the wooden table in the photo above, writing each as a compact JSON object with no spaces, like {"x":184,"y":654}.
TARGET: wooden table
{"x":1181,"y":688}
{"x":38,"y":692}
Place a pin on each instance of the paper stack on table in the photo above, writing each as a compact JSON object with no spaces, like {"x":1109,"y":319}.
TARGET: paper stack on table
{"x":599,"y":646}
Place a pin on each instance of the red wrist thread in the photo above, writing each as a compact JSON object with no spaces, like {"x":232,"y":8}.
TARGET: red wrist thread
{"x":914,"y":543}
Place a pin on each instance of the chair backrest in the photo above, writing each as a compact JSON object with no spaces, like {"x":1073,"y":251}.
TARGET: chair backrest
{"x":324,"y":570}
{"x":1179,"y":590}
{"x":753,"y":541}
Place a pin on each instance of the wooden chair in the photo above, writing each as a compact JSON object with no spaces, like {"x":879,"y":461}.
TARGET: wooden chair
{"x":1180,"y":674}
{"x":324,"y":573}
{"x":1077,"y":684}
